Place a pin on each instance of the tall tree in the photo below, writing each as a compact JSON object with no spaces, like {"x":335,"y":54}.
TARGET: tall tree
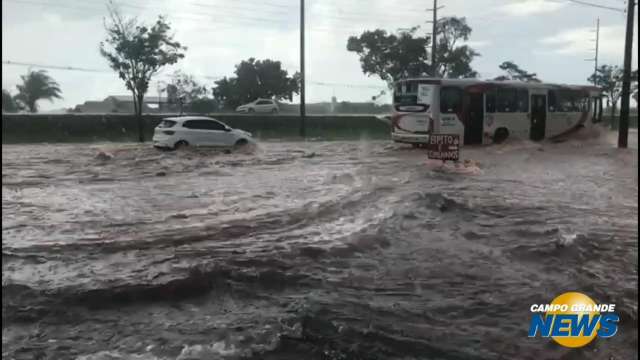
{"x":184,"y":90}
{"x":36,"y":85}
{"x":514,"y":72}
{"x":186,"y":87}
{"x":395,"y":56}
{"x":137,"y":52}
{"x":391,"y":56}
{"x":454,"y":61}
{"x":9,"y":104}
{"x":256,"y":79}
{"x":609,"y":79}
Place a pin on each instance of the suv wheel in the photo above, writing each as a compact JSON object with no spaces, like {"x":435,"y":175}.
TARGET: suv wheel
{"x":180,"y":144}
{"x":241,"y":143}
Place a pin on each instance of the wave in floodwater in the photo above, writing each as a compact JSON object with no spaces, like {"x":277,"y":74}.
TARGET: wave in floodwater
{"x":316,"y":250}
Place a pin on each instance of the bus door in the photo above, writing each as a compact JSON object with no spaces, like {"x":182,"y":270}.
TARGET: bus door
{"x":474,"y":117}
{"x":538,"y":117}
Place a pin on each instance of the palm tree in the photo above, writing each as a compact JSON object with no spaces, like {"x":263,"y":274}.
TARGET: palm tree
{"x":37,"y":85}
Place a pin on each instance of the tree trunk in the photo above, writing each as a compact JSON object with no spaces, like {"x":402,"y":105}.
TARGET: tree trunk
{"x":613,"y":116}
{"x":139,"y":118}
{"x":609,"y":107}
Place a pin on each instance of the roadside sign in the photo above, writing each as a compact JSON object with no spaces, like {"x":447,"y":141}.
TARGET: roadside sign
{"x":443,"y":147}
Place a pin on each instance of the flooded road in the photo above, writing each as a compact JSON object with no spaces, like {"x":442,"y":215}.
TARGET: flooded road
{"x":318,"y":250}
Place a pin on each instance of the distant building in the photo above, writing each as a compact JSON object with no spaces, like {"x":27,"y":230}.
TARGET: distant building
{"x":122,"y":104}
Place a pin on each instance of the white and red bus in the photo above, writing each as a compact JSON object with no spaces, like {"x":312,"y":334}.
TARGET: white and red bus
{"x":484,"y":112}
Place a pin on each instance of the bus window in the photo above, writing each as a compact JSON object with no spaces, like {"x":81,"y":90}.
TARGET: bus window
{"x":405,"y":99}
{"x":563,"y":102}
{"x":584,"y":104}
{"x":507,"y":100}
{"x":553,"y":101}
{"x":406,"y":87}
{"x":490,"y":102}
{"x":523,"y":100}
{"x":568,"y":101}
{"x":412,"y":87}
{"x":450,"y":100}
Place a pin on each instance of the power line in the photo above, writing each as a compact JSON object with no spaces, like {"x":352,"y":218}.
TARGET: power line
{"x":83,"y":69}
{"x":229,"y":20}
{"x":27,"y":2}
{"x":244,"y":20}
{"x":199,"y":13}
{"x":368,"y":3}
{"x":274,"y":5}
{"x":56,"y":67}
{"x":397,"y":13}
{"x":332,"y":84}
{"x":198,"y":17}
{"x":585,"y":3}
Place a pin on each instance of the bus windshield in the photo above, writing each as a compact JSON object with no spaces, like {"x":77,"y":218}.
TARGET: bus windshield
{"x":411,"y":96}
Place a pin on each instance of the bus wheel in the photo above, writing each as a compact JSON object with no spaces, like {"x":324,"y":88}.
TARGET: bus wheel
{"x":416,"y":146}
{"x":500,"y":136}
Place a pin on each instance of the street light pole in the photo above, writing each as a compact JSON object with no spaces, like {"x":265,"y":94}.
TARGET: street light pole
{"x":623,"y":130}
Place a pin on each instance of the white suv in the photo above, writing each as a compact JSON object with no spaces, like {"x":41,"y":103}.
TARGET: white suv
{"x":260,"y":106}
{"x":175,"y":132}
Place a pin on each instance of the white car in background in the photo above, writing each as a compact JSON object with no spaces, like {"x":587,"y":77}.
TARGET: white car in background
{"x":260,"y":106}
{"x":176,"y":132}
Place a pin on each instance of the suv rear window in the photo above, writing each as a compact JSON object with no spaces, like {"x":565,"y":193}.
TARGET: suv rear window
{"x":166,"y":124}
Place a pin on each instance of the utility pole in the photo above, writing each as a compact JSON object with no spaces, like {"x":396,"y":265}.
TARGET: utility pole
{"x":623,"y":130}
{"x":595,"y":59}
{"x":434,"y":38}
{"x":160,"y":89}
{"x":595,"y":68}
{"x":303,"y":110}
{"x":434,"y":65}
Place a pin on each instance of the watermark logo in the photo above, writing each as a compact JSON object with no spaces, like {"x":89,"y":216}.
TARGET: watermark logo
{"x":573,"y":320}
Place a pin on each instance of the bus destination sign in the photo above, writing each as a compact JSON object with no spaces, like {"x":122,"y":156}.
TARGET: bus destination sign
{"x":443,"y":147}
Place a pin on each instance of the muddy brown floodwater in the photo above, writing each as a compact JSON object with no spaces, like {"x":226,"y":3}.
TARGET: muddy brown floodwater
{"x":317,"y":250}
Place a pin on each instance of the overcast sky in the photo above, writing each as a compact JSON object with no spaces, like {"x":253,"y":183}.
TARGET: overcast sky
{"x":549,"y":37}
